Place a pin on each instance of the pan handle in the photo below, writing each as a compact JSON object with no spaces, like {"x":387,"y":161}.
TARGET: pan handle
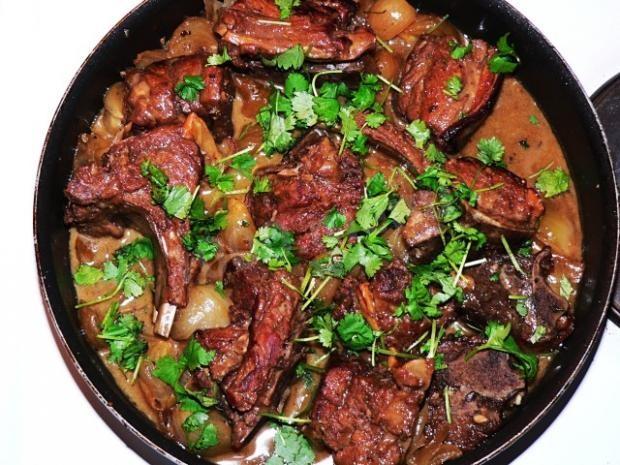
{"x":607,"y":103}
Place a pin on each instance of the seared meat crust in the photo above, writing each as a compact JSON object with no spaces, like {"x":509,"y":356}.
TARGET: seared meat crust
{"x":99,"y":192}
{"x":480,"y":391}
{"x":152,"y":100}
{"x":255,"y":354}
{"x":313,"y":180}
{"x":508,"y":207}
{"x":428,"y":69}
{"x":366,"y":415}
{"x":251,"y":29}
{"x":488,"y":300}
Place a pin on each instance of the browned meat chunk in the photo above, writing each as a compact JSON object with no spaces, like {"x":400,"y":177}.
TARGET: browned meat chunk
{"x":508,"y":207}
{"x":366,"y":415}
{"x":378,"y":301}
{"x":256,"y":352}
{"x":396,"y":141}
{"x":479,"y":390}
{"x":313,"y":181}
{"x":98,"y":192}
{"x":422,"y":232}
{"x":494,"y":281}
{"x":427,"y":72}
{"x":152,"y":99}
{"x":252,"y":29}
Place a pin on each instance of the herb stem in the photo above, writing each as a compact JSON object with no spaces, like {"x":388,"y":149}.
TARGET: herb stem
{"x":389,"y":84}
{"x":287,"y":420}
{"x":103,"y":298}
{"x":316,"y":293}
{"x":134,"y":375}
{"x":382,"y":351}
{"x":459,"y":273}
{"x":322,"y":73}
{"x":273,"y":22}
{"x":446,"y":397}
{"x":384,"y":44}
{"x":234,"y":155}
{"x":537,"y":173}
{"x":511,"y":255}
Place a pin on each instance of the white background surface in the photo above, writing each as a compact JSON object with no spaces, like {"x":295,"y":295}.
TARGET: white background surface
{"x":43,"y":416}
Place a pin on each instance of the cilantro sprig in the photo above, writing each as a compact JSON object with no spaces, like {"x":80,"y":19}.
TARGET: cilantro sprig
{"x":123,"y":334}
{"x":553,"y":182}
{"x":290,"y":447}
{"x":505,"y":60}
{"x":190,"y":87}
{"x":120,"y":270}
{"x":170,"y":371}
{"x":274,"y":247}
{"x":176,"y":200}
{"x":499,"y":339}
{"x":200,"y":240}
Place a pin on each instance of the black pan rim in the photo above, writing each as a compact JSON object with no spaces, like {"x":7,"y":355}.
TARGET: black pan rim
{"x":541,"y":420}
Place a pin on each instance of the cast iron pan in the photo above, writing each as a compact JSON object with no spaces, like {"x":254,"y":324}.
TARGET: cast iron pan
{"x":545,"y":75}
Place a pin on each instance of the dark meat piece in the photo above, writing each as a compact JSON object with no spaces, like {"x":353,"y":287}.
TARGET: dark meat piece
{"x":252,"y":29}
{"x":396,"y":141}
{"x":513,"y":208}
{"x":312,"y":181}
{"x":256,"y":352}
{"x":487,"y":300}
{"x":152,"y":100}
{"x":480,"y":391}
{"x":98,"y":192}
{"x":378,"y":299}
{"x":366,"y":415}
{"x":422,"y":232}
{"x":510,"y":207}
{"x":427,"y":71}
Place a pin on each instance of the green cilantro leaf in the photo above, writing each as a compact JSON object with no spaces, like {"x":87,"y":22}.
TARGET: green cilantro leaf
{"x":219,"y":58}
{"x":178,"y":202}
{"x":219,"y":180}
{"x":460,"y":51}
{"x":533,"y":120}
{"x":326,"y":109}
{"x":197,"y":356}
{"x":295,"y":82}
{"x":334,"y":219}
{"x":400,"y":212}
{"x":420,"y":132}
{"x":552,"y":182}
{"x":566,"y":288}
{"x":539,"y":332}
{"x":291,"y":448}
{"x":274,"y":247}
{"x":158,"y":180}
{"x":286,"y":7}
{"x":199,"y":240}
{"x":324,"y":325}
{"x":303,"y":107}
{"x":189,"y":88}
{"x":491,"y":151}
{"x":123,"y":333}
{"x":499,"y":339}
{"x":371,"y":210}
{"x":87,"y":275}
{"x":376,"y":185}
{"x":354,"y":332}
{"x":261,"y":185}
{"x":244,"y":163}
{"x":374,"y":120}
{"x":453,"y":87}
{"x":505,"y":59}
{"x":434,"y":154}
{"x":293,"y":58}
